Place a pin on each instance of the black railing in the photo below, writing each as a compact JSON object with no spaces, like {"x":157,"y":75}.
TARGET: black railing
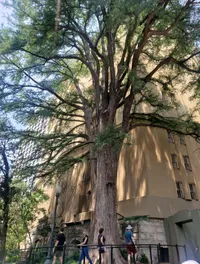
{"x":156,"y":253}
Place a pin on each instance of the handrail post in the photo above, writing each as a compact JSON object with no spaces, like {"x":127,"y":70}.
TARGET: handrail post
{"x":134,"y":260}
{"x":30,"y":254}
{"x":64,"y":249}
{"x":83,"y":255}
{"x":100,"y":255}
{"x":177,"y":251}
{"x":111,"y":254}
{"x":158,"y":252}
{"x":151,"y":261}
{"x":50,"y":244}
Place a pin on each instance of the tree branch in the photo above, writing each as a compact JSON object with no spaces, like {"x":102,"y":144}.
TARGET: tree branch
{"x":170,"y":28}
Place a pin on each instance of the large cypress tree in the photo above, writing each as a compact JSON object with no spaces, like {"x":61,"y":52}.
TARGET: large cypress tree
{"x":81,"y":62}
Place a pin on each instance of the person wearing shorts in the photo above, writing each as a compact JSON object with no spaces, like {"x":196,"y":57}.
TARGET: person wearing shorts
{"x":60,"y":241}
{"x":130,"y":244}
{"x":101,"y":245}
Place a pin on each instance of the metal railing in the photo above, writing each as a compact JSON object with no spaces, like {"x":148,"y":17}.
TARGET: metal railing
{"x":156,"y":253}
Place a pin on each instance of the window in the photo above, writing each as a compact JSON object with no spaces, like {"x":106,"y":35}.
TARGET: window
{"x":170,"y":137}
{"x":179,"y":189}
{"x":86,"y":174}
{"x":192,"y":191}
{"x":187,"y":162}
{"x":174,"y":161}
{"x":181,"y":139}
{"x":86,"y":177}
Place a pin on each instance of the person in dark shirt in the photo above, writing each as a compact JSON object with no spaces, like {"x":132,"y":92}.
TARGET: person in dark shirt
{"x":60,"y":241}
{"x":84,"y":250}
{"x":101,"y":245}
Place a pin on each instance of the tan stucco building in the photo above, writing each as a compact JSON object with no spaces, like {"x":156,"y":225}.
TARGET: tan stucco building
{"x":158,"y":173}
{"x":158,"y":176}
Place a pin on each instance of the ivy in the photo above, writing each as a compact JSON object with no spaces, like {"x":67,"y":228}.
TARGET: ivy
{"x":136,"y":218}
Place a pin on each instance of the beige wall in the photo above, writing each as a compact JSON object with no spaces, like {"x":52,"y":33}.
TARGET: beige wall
{"x":146,"y":180}
{"x":132,"y":180}
{"x":74,"y":201}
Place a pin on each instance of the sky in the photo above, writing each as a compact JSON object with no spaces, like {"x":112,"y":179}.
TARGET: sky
{"x":4,"y":13}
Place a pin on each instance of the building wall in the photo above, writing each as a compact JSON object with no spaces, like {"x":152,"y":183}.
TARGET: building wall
{"x":146,"y":178}
{"x":146,"y":181}
{"x":182,"y":228}
{"x":151,"y":232}
{"x":146,"y":185}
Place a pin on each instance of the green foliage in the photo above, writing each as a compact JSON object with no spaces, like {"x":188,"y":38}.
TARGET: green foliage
{"x":62,"y":74}
{"x":12,"y":256}
{"x":38,"y":256}
{"x":73,"y":258}
{"x":136,"y":218}
{"x":124,"y":253}
{"x":143,"y":259}
{"x":111,"y":136}
{"x":7,"y":190}
{"x":24,"y":210}
{"x":43,"y":227}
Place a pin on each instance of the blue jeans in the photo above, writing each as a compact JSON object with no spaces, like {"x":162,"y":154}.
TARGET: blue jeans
{"x":84,"y":253}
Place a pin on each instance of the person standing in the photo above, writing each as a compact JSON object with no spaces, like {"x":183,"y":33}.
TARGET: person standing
{"x":130,"y":244}
{"x":59,"y":244}
{"x":84,"y":250}
{"x":101,"y":245}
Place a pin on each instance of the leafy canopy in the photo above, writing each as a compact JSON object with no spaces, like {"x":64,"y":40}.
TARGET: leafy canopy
{"x":81,"y":63}
{"x":25,"y":210}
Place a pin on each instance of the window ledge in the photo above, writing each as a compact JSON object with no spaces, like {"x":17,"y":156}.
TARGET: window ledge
{"x":188,"y":199}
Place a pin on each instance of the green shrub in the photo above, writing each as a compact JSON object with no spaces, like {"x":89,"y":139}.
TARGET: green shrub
{"x":73,"y":258}
{"x":123,"y":252}
{"x":12,"y":256}
{"x":143,"y":259}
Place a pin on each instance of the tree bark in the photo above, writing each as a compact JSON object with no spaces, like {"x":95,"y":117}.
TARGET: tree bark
{"x":105,"y":206}
{"x":6,"y":203}
{"x":105,"y":214}
{"x":4,"y":230}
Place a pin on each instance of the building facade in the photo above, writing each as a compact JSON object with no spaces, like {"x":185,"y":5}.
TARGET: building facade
{"x":158,"y":176}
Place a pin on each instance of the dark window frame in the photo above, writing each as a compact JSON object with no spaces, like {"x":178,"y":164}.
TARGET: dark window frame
{"x":192,"y":188}
{"x":179,"y":189}
{"x":187,"y":163}
{"x":170,"y":137}
{"x":182,"y":140}
{"x":174,"y":159}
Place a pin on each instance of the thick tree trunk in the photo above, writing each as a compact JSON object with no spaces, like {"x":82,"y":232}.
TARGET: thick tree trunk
{"x":105,"y":214}
{"x":6,"y":203}
{"x":3,"y":232}
{"x":105,"y":202}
